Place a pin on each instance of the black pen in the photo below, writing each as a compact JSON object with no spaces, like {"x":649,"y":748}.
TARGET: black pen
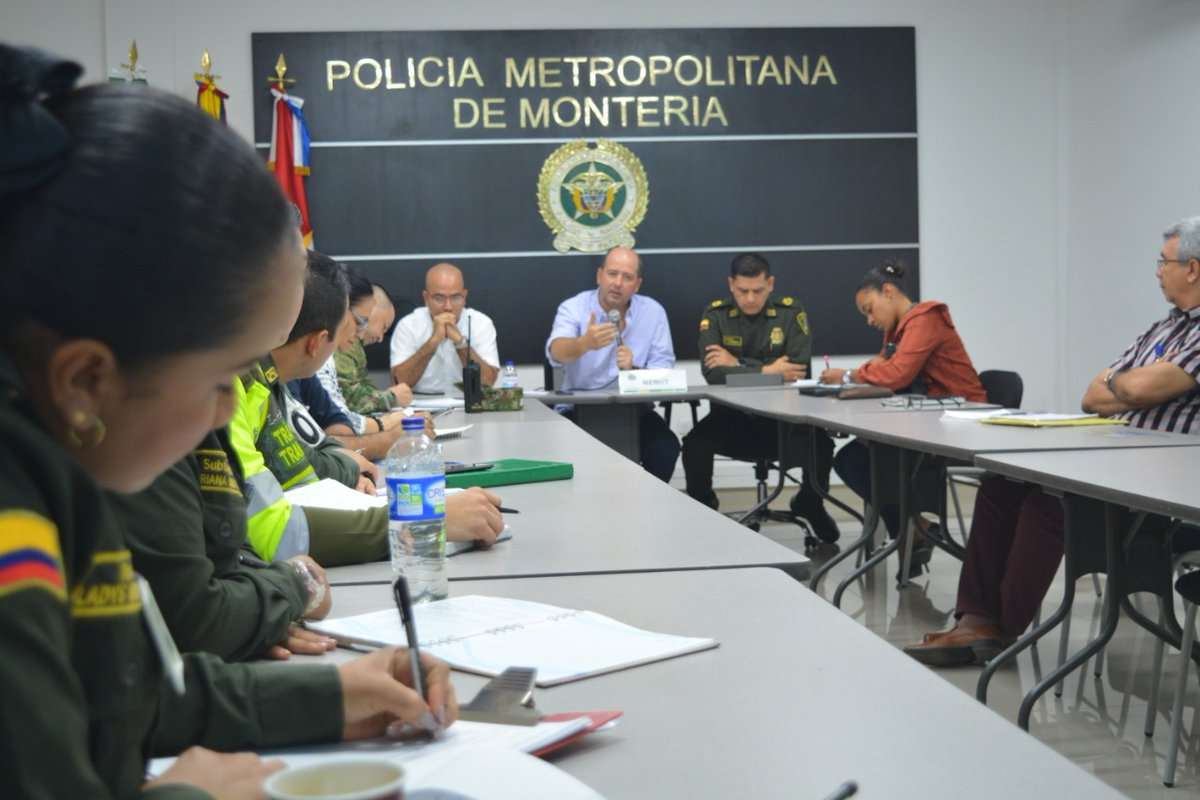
{"x":404,"y":606}
{"x":504,"y":510}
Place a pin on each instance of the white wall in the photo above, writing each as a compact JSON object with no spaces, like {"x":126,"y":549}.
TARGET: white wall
{"x":1132,"y":162}
{"x":1054,"y":136}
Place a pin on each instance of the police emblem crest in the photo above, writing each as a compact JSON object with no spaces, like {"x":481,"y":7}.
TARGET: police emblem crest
{"x":592,"y":197}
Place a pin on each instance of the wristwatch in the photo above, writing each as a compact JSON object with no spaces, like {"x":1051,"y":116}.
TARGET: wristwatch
{"x":847,"y":376}
{"x":1108,"y":379}
{"x":314,"y":587}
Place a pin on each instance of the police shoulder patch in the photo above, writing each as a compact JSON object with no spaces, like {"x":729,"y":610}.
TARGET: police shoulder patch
{"x":718,"y":303}
{"x":786,"y":301}
{"x":30,"y":557}
{"x":733,"y":312}
{"x":216,"y":474}
{"x":705,"y":324}
{"x":802,"y":321}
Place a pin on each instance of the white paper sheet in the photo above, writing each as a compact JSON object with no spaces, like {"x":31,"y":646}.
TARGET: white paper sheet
{"x":328,"y":493}
{"x":486,"y":635}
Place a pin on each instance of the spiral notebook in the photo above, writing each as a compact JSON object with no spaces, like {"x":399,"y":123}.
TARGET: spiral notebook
{"x":486,"y":635}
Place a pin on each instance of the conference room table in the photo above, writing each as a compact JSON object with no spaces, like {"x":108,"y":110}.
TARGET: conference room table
{"x":1127,"y":484}
{"x":612,"y":516}
{"x":612,"y":417}
{"x":790,"y":705}
{"x":917,"y":433}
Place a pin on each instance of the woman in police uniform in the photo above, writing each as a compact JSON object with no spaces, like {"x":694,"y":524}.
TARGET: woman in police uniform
{"x":146,"y":257}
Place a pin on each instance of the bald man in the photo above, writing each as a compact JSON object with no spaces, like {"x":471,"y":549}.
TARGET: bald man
{"x":381,"y":318}
{"x":429,"y":346}
{"x":592,"y":350}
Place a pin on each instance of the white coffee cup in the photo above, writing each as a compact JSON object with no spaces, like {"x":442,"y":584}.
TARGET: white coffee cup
{"x":339,"y":779}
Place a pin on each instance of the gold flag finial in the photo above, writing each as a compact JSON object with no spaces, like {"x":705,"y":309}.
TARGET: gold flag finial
{"x":280,"y":71}
{"x":206,"y":65}
{"x":133,"y":59}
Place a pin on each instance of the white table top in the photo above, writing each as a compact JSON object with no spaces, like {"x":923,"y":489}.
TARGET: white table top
{"x":612,"y":516}
{"x":797,"y":699}
{"x":1159,"y":481}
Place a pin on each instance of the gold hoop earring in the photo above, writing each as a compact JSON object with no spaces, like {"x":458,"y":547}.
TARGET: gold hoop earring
{"x":97,"y":430}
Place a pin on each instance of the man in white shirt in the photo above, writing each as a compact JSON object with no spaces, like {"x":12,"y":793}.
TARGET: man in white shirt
{"x":429,"y":346}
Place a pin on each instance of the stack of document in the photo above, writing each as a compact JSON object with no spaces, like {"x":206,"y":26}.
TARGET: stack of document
{"x":486,"y":635}
{"x":1042,"y":420}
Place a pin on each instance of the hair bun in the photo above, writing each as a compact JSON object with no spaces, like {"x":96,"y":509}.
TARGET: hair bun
{"x":33,"y":142}
{"x":894,"y":269}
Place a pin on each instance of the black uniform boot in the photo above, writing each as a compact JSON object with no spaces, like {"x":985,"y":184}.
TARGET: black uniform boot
{"x":808,"y":504}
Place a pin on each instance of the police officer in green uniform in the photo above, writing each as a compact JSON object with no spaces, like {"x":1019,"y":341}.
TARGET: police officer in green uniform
{"x":751,"y":331}
{"x":130,"y":224}
{"x":187,"y":533}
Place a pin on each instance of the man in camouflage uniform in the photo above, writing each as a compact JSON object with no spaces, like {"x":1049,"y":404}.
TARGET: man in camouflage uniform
{"x":362,"y":396}
{"x":752,"y":332}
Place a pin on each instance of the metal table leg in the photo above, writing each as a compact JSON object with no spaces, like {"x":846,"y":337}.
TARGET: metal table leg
{"x":869,"y":525}
{"x":905,"y":534}
{"x":766,"y":501}
{"x":1108,"y":621}
{"x":1071,"y":558}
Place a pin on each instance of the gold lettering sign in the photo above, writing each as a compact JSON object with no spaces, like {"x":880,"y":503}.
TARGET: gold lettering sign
{"x":584,"y":82}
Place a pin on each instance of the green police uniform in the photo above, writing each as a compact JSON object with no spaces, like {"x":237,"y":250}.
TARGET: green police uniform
{"x":82,"y":698}
{"x":362,"y":396}
{"x":780,"y":329}
{"x":187,"y":531}
{"x":273,"y":459}
{"x":296,"y":457}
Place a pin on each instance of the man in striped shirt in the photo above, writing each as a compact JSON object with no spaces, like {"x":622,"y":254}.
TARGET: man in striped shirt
{"x":1016,"y":539}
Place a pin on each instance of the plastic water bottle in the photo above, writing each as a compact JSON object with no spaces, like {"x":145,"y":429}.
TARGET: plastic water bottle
{"x":508,"y":377}
{"x":416,"y":484}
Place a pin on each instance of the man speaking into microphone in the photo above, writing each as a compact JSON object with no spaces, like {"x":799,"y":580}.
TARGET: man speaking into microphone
{"x":599,"y":332}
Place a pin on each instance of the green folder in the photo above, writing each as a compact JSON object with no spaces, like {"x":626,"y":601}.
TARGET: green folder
{"x":509,"y":471}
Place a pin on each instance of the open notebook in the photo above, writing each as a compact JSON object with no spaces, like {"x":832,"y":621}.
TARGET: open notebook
{"x":486,"y":635}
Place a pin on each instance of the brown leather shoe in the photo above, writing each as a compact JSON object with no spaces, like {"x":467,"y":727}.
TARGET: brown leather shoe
{"x":960,"y":646}
{"x":930,"y":638}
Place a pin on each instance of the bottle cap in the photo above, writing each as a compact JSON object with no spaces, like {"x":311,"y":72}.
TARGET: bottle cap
{"x":413,"y":423}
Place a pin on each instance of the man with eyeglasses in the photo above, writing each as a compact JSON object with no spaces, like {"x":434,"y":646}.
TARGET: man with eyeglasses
{"x":1016,"y":540}
{"x":429,"y":345}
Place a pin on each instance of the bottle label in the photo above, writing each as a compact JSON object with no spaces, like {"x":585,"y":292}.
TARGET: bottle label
{"x":413,"y":497}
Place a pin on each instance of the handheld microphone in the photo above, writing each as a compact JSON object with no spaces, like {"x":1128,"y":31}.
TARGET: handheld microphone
{"x":614,"y":317}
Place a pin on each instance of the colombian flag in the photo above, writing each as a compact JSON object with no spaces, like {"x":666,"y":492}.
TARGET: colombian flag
{"x":210,"y":99}
{"x":29,"y":554}
{"x":289,"y":154}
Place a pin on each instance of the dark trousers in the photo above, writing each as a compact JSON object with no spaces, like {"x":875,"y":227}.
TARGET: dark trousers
{"x":1013,"y":554}
{"x":658,"y":445}
{"x":853,"y":466}
{"x":748,"y":438}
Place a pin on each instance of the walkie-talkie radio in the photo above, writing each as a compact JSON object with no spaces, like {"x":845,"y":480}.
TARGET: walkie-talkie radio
{"x":472,"y":379}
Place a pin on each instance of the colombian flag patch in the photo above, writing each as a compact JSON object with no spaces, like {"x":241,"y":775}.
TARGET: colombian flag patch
{"x":30,"y":557}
